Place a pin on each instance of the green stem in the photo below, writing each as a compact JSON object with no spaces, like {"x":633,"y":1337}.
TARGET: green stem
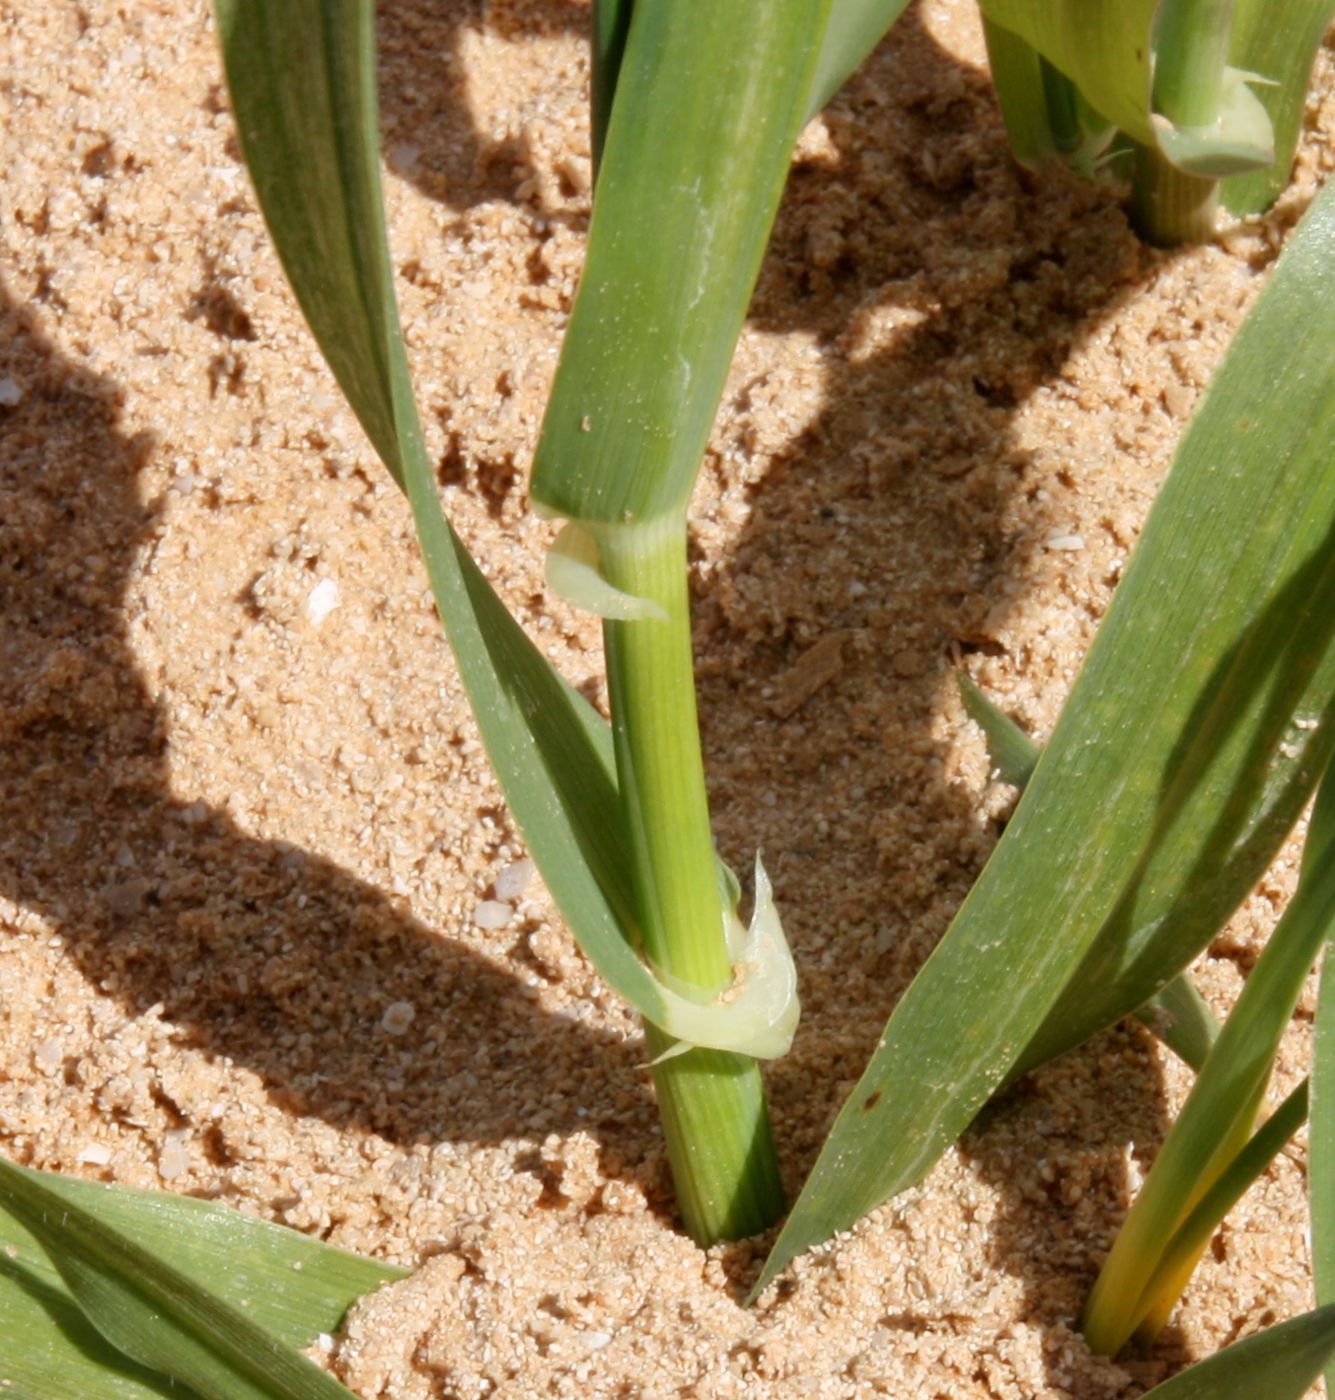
{"x":714,"y":1120}
{"x":1168,"y":206}
{"x":1190,"y":53}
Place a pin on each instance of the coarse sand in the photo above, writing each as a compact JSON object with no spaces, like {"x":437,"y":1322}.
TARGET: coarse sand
{"x":270,"y":936}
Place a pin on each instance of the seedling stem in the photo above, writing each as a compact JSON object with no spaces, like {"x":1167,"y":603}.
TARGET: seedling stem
{"x":1190,"y":54}
{"x":714,"y":1119}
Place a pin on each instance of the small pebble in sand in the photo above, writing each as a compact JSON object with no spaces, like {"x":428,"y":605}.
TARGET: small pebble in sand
{"x":322,"y":600}
{"x":96,"y":1154}
{"x":10,"y":393}
{"x":399,"y":1015}
{"x":514,"y":879}
{"x":492,"y":914}
{"x":174,"y":1155}
{"x":1073,"y":544}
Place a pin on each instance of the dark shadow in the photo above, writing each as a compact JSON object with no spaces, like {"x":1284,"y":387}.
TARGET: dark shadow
{"x":918,"y":219}
{"x":253,"y":949}
{"x":428,"y":127}
{"x":1063,"y":1151}
{"x":879,"y":533}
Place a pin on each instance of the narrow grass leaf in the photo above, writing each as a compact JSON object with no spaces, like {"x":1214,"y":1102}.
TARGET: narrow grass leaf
{"x":1177,"y":1015}
{"x":1193,"y":1235}
{"x":1013,"y":753}
{"x":607,"y":44}
{"x":1103,"y":46}
{"x":301,"y":79}
{"x":1277,"y":39}
{"x":49,"y":1350}
{"x":1222,"y":1104}
{"x":295,"y":1286}
{"x":682,"y":211}
{"x":1180,"y":1017}
{"x":1017,"y":77}
{"x":1258,"y":684}
{"x":855,"y":28}
{"x":1321,"y":1146}
{"x":1279,"y":1364}
{"x":1045,"y":114}
{"x":1187,"y":749}
{"x":208,"y":1296}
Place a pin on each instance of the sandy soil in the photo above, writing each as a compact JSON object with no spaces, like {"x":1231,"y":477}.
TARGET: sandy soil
{"x":269,"y":934}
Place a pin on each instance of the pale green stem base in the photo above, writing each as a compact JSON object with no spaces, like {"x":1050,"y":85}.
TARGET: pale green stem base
{"x":1132,"y":1297}
{"x":1169,"y":207}
{"x":1191,"y":48}
{"x":714,"y":1120}
{"x":719,"y":1144}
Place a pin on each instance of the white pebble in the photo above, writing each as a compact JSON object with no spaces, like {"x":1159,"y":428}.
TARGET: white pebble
{"x":96,"y":1154}
{"x":491,"y":914}
{"x":324,"y":1342}
{"x":515,"y":879}
{"x":322,"y":600}
{"x":10,"y":393}
{"x":173,"y":1156}
{"x":399,"y":1015}
{"x":1071,"y":543}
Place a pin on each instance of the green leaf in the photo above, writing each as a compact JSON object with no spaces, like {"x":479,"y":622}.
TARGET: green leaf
{"x":1279,"y":1364}
{"x":607,"y":43}
{"x":1277,"y":39}
{"x":1255,"y":681}
{"x":1043,"y":111}
{"x":855,"y":28}
{"x":211,"y":1297}
{"x":682,"y":211}
{"x":1321,"y":1145}
{"x":48,"y":1348}
{"x":1222,"y":1103}
{"x":1017,"y":76}
{"x":1103,"y":46}
{"x":301,"y":79}
{"x":1177,"y":1014}
{"x":1191,"y":1237}
{"x":1013,"y":753}
{"x":1185,"y":753}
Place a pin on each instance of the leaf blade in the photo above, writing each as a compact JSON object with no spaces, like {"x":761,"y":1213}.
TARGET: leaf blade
{"x":1248,"y":510}
{"x":1279,"y":1363}
{"x":223,"y":1323}
{"x":1223,"y":1101}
